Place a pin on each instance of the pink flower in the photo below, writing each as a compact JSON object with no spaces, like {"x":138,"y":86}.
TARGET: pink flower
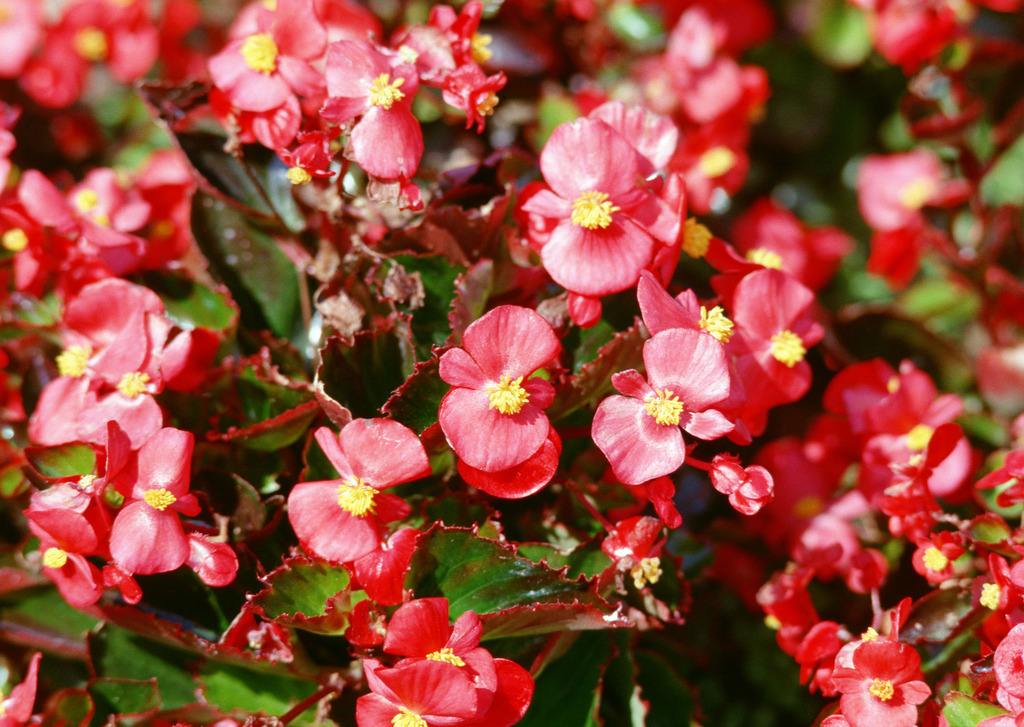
{"x":603,"y":212}
{"x":381,"y":572}
{"x":892,"y":189}
{"x":364,"y":83}
{"x":639,"y":432}
{"x":16,"y":709}
{"x":883,"y":687}
{"x":263,"y":70}
{"x":147,"y":536}
{"x":342,"y":520}
{"x":58,"y":517}
{"x":749,"y":488}
{"x":427,"y":692}
{"x":20,"y":30}
{"x":493,"y":417}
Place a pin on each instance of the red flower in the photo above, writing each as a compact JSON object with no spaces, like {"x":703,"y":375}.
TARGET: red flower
{"x":20,"y":30}
{"x":520,"y":480}
{"x":639,"y":432}
{"x":67,"y":534}
{"x":342,"y":519}
{"x":934,"y":557}
{"x":603,"y":213}
{"x":16,"y":709}
{"x":471,"y":90}
{"x":892,"y":189}
{"x":883,"y":687}
{"x":263,"y":70}
{"x":418,"y":694}
{"x":635,"y":545}
{"x":381,"y":572}
{"x":147,"y":536}
{"x":364,"y":83}
{"x":662,"y":312}
{"x":493,"y":417}
{"x":749,"y":488}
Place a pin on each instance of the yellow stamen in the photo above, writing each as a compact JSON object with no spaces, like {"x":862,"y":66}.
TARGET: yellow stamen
{"x":298,"y":176}
{"x":14,"y":239}
{"x":765,"y":257}
{"x":772,"y":622}
{"x":508,"y":395}
{"x":5,"y":15}
{"x":159,"y":498}
{"x":487,"y":106}
{"x":648,"y":570}
{"x":479,"y":44}
{"x":808,"y":506}
{"x":716,"y":323}
{"x":716,"y":161}
{"x":869,"y":635}
{"x":893,"y":384}
{"x":133,"y":384}
{"x":934,"y":560}
{"x":73,"y":361}
{"x":385,"y":93}
{"x":990,"y":594}
{"x":407,"y":718}
{"x":163,"y":229}
{"x":447,"y":656}
{"x":356,"y":497}
{"x":593,"y":210}
{"x":916,"y":194}
{"x":696,"y":238}
{"x":919,"y":437}
{"x":85,"y":482}
{"x":665,"y":407}
{"x":881,"y":689}
{"x":54,"y":558}
{"x":85,"y":200}
{"x":788,"y":348}
{"x":270,"y":5}
{"x":91,"y":44}
{"x":407,"y":54}
{"x":260,"y":53}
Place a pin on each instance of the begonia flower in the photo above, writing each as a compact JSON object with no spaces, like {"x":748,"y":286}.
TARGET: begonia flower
{"x":883,"y":686}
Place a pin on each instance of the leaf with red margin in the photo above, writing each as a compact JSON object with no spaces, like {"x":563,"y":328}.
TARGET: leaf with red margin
{"x":938,"y":616}
{"x":472,"y":289}
{"x":416,"y":401}
{"x":593,"y":380}
{"x":308,"y":594}
{"x":68,"y":708}
{"x":513,"y":595}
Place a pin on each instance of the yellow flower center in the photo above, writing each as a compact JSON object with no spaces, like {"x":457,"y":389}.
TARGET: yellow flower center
{"x":788,"y":348}
{"x":665,"y":407}
{"x":917,"y":193}
{"x":772,"y":622}
{"x":765,"y":257}
{"x":881,"y":689}
{"x":163,"y":229}
{"x":5,"y":15}
{"x":447,"y":656}
{"x":990,"y":594}
{"x":14,"y":239}
{"x":935,"y":560}
{"x":54,"y":558}
{"x":508,"y":395}
{"x":869,"y":635}
{"x":85,"y":200}
{"x":696,"y":238}
{"x":407,"y":718}
{"x":270,"y":5}
{"x":716,"y":161}
{"x":159,"y":498}
{"x":487,"y":106}
{"x":716,"y":323}
{"x":385,"y":93}
{"x":260,"y":53}
{"x":356,"y":497}
{"x":73,"y":361}
{"x":480,"y":47}
{"x":893,"y":384}
{"x":85,"y":482}
{"x":133,"y":384}
{"x":91,"y":44}
{"x":919,"y":437}
{"x":648,"y":570}
{"x":298,"y":175}
{"x":593,"y":210}
{"x":808,"y":506}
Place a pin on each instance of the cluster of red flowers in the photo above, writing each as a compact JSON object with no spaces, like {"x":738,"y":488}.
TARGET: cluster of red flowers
{"x":504,"y":413}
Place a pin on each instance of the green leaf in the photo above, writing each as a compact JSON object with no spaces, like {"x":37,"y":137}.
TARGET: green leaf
{"x":669,"y":698}
{"x":513,"y":595}
{"x":309,"y":594}
{"x":261,"y":278}
{"x":125,"y":696}
{"x":1003,"y":184}
{"x":64,"y":460}
{"x":841,"y":35}
{"x":436,"y":276}
{"x":593,"y":379}
{"x":568,"y":691}
{"x":586,"y":561}
{"x":963,"y":711}
{"x":989,"y":528}
{"x":119,"y":653}
{"x":191,"y":304}
{"x":234,"y":688}
{"x":938,"y":616}
{"x":68,"y":708}
{"x":415,"y":402}
{"x":13,"y":482}
{"x":637,"y":27}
